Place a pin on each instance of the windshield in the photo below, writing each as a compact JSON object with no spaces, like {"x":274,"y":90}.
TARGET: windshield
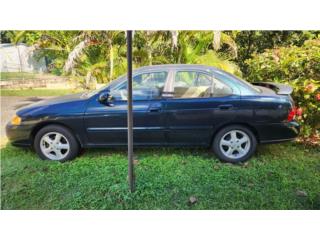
{"x":110,"y":85}
{"x":249,"y":85}
{"x":89,"y":94}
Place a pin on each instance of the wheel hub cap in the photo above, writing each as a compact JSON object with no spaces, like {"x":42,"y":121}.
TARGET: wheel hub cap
{"x":235,"y":144}
{"x":54,"y":146}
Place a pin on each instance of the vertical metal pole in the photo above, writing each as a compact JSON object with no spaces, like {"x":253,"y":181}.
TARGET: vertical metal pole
{"x":130,"y":117}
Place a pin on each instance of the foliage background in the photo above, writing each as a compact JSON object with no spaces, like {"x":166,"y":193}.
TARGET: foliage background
{"x":90,"y":57}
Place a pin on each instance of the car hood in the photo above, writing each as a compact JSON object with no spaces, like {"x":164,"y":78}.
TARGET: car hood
{"x":74,"y":101}
{"x":62,"y":99}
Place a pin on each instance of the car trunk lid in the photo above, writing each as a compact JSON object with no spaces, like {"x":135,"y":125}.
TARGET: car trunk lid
{"x":278,"y":88}
{"x":270,"y":88}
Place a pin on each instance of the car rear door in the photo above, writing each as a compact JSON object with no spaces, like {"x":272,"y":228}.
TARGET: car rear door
{"x":107,"y":125}
{"x":199,"y":104}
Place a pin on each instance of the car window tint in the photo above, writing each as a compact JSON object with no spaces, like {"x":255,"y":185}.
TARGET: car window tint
{"x":145,"y":86}
{"x":204,"y":80}
{"x":149,"y":80}
{"x":193,"y":84}
{"x":185,"y":79}
{"x":223,"y":76}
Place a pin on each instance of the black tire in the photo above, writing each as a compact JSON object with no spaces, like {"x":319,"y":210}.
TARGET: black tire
{"x":218,"y":137}
{"x":74,"y":147}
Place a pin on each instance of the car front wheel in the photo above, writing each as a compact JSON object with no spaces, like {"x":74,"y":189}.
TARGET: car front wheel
{"x":56,"y":143}
{"x":234,"y":144}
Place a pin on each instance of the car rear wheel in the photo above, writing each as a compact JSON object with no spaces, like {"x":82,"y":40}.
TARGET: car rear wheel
{"x":234,"y":144}
{"x":56,"y":143}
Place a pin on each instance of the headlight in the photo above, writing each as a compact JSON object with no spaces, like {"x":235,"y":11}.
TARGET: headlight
{"x":16,"y":120}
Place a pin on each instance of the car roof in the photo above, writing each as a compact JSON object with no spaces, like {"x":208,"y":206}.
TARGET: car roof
{"x":237,"y":82}
{"x":175,"y":67}
{"x":232,"y":79}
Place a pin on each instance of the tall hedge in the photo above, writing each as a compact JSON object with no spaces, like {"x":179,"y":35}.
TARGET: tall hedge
{"x":298,"y":67}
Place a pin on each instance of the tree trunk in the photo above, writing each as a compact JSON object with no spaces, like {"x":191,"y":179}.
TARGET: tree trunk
{"x":216,"y":40}
{"x":111,"y":61}
{"x":179,"y":57}
{"x":88,"y":79}
{"x":174,"y":37}
{"x":149,"y":55}
{"x":149,"y":47}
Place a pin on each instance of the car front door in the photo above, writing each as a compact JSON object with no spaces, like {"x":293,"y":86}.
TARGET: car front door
{"x":199,"y":104}
{"x":107,"y":125}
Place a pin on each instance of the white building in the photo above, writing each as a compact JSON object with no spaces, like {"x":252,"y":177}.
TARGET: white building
{"x":20,"y":58}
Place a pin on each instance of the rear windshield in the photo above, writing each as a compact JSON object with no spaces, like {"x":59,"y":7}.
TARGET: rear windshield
{"x":249,"y":85}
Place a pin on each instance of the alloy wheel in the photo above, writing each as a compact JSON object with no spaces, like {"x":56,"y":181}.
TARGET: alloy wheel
{"x":235,"y":144}
{"x":54,"y":146}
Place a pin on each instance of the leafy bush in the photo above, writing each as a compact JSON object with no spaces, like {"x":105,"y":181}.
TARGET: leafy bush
{"x":300,"y":68}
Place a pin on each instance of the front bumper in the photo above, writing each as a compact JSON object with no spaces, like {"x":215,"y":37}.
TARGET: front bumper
{"x":19,"y":135}
{"x":278,"y":132}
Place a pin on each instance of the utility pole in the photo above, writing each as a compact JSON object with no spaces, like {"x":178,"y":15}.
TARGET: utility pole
{"x":131,"y":177}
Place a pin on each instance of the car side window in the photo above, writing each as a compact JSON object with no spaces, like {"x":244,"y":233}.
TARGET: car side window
{"x":145,"y":86}
{"x":193,"y":84}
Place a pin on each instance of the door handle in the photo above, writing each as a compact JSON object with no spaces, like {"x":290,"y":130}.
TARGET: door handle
{"x":225,"y":106}
{"x":156,"y":107}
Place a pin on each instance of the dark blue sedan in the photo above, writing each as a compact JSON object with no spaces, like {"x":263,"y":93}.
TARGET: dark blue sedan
{"x":173,"y":105}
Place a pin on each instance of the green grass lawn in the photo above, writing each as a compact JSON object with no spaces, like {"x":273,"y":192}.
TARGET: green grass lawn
{"x":166,"y":179}
{"x":5,"y":76}
{"x":36,"y":92}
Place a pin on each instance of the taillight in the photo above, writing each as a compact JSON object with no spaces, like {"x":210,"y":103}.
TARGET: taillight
{"x":292,"y":114}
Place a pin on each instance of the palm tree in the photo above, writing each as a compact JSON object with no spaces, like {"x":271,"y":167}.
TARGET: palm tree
{"x":220,"y":38}
{"x":75,"y":54}
{"x":90,"y":38}
{"x":211,"y":58}
{"x":101,"y":55}
{"x":216,"y":40}
{"x":194,"y":48}
{"x":149,"y":36}
{"x":174,"y":38}
{"x":56,"y":47}
{"x":190,"y":45}
{"x":110,"y":37}
{"x":148,"y":47}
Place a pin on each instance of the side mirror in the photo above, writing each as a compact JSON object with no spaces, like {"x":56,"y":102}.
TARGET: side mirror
{"x":106,"y":99}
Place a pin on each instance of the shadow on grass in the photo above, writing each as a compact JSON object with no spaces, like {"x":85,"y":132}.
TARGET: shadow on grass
{"x":204,"y":153}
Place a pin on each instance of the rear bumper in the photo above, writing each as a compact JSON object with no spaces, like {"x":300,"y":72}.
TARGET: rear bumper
{"x":278,"y":132}
{"x":18,"y":135}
